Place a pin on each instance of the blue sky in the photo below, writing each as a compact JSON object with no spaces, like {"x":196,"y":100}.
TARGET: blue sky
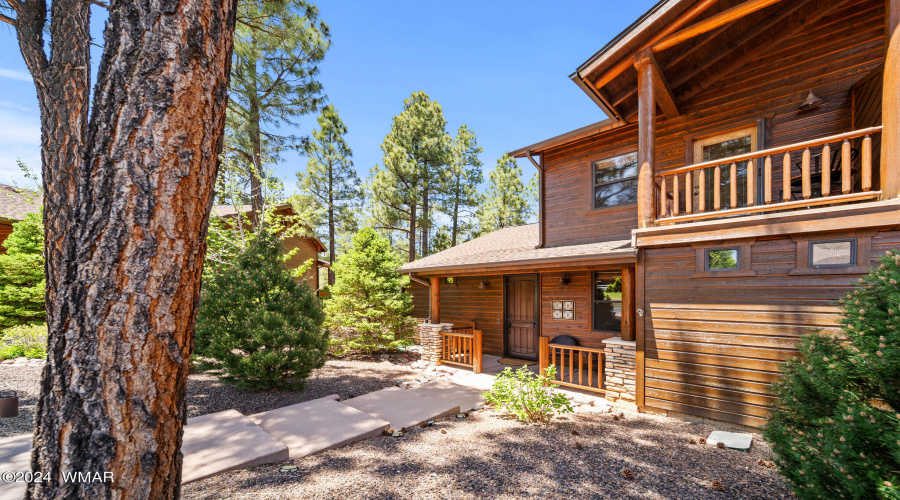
{"x":499,"y":67}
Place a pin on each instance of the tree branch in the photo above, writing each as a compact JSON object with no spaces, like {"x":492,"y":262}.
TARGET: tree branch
{"x":98,"y":2}
{"x":8,"y":20}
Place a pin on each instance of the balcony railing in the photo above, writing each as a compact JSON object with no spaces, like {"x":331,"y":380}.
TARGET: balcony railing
{"x":826,"y":171}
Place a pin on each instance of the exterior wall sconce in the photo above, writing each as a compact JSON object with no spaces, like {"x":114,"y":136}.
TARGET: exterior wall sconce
{"x":812,"y":102}
{"x":563,"y":280}
{"x":484,"y":284}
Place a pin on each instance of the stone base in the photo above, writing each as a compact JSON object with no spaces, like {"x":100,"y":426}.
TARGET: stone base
{"x":620,"y":370}
{"x":430,"y":339}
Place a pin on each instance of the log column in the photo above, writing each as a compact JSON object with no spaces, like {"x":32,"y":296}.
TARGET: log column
{"x":435,"y":292}
{"x":628,"y":303}
{"x":646,"y":135}
{"x":890,"y":104}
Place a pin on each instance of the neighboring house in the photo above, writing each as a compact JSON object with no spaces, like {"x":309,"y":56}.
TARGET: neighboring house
{"x":308,"y":247}
{"x":709,"y":197}
{"x":15,"y":203}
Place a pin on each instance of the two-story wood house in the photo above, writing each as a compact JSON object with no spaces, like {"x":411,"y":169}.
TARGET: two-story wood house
{"x":748,"y":176}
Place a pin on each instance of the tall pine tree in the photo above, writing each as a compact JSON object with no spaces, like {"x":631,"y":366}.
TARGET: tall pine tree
{"x":507,"y":201}
{"x":405,"y":186}
{"x":462,"y":179}
{"x":330,"y":177}
{"x":274,"y":80}
{"x":22,"y":283}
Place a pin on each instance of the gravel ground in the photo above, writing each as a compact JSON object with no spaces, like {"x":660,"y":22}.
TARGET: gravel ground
{"x":348,"y":377}
{"x":490,"y":456}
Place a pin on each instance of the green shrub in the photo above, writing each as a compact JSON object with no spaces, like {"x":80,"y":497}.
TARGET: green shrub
{"x":835,"y":429}
{"x":22,"y":281}
{"x":368,"y":303}
{"x":527,"y":395}
{"x":29,"y":341}
{"x":258,"y":325}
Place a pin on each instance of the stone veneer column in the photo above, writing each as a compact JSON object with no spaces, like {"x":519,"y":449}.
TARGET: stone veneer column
{"x":429,"y":333}
{"x":620,"y":370}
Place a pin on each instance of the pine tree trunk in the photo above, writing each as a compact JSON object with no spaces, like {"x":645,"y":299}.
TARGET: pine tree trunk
{"x":455,"y":214}
{"x":127,"y":202}
{"x":256,"y":196}
{"x":330,"y":223}
{"x":424,"y":249}
{"x":412,"y":232}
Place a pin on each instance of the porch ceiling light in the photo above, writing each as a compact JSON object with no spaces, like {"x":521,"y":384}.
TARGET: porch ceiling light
{"x":812,"y":102}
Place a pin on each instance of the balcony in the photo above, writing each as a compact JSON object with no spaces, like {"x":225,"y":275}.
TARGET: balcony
{"x":832,"y":170}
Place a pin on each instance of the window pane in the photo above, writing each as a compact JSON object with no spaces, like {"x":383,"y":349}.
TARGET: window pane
{"x":617,"y":193}
{"x":722,"y":259}
{"x":724,"y":149}
{"x":832,"y":253}
{"x":613,"y":169}
{"x":607,"y":313}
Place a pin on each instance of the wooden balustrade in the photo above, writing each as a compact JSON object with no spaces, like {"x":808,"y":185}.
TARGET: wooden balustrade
{"x":580,"y":367}
{"x":462,"y":348}
{"x":806,"y":179}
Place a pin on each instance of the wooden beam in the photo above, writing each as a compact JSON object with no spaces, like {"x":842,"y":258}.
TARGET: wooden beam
{"x":890,"y":104}
{"x":661,"y":89}
{"x":713,"y":22}
{"x":810,"y":19}
{"x":628,"y":306}
{"x":646,"y":137}
{"x":745,"y":36}
{"x":685,"y":18}
{"x":435,"y":292}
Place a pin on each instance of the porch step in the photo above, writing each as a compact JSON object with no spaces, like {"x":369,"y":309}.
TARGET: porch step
{"x":15,"y":455}
{"x":465,"y":397}
{"x":318,"y":425}
{"x":403,"y":407}
{"x":224,"y":441}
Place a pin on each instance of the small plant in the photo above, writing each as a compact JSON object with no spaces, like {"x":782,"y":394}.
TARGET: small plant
{"x":528,"y":396}
{"x":29,"y":341}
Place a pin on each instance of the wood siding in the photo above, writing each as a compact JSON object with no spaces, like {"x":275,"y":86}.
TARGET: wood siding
{"x":5,"y":231}
{"x":306,"y":249}
{"x":464,"y":302}
{"x":579,"y":290}
{"x":714,"y":345}
{"x":420,"y":294}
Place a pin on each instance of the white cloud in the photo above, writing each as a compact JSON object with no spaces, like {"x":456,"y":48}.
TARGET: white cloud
{"x":12,"y":105}
{"x":15,"y":75}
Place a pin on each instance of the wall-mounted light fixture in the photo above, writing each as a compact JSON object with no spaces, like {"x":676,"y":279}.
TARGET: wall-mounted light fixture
{"x":812,"y":102}
{"x":484,"y":284}
{"x":563,"y":280}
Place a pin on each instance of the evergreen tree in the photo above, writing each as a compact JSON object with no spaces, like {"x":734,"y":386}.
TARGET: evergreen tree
{"x":330,"y":177}
{"x":368,"y":299}
{"x":404,"y":187}
{"x":274,"y":80}
{"x":257,"y":324}
{"x":441,"y":240}
{"x":22,"y":282}
{"x":463,"y":178}
{"x":506,"y":202}
{"x":835,"y":429}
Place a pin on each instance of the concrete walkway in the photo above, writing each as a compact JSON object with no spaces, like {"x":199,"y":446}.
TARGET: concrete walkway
{"x":224,"y":441}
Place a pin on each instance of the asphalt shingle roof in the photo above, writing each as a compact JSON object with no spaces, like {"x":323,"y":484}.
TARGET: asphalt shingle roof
{"x":512,"y":245}
{"x":15,"y":203}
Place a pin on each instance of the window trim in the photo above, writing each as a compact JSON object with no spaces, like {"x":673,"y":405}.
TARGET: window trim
{"x":592,"y":198}
{"x":697,"y":144}
{"x":863,"y":252}
{"x":744,"y":248}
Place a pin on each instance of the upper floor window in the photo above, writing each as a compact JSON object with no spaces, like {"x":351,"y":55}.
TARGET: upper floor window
{"x":723,"y":146}
{"x":615,"y":181}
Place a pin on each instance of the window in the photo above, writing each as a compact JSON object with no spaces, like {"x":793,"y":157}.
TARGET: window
{"x":723,"y":146}
{"x":615,"y":181}
{"x":723,"y":259}
{"x":607,"y":306}
{"x":832,"y":253}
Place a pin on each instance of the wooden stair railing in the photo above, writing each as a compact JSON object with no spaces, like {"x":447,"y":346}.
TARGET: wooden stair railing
{"x":462,"y":347}
{"x":854,"y":184}
{"x":579,"y":367}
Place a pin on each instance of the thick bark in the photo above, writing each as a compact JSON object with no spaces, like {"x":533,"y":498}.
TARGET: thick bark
{"x":424,"y":248}
{"x":455,"y":228}
{"x":127,"y":202}
{"x":412,"y":232}
{"x":330,"y":222}
{"x":256,"y":195}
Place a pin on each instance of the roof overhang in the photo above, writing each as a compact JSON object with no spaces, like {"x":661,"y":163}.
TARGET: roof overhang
{"x":628,"y":256}
{"x":574,"y":135}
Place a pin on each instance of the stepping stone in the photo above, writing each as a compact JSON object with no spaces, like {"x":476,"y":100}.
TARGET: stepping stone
{"x":403,"y":407}
{"x":225,"y":441}
{"x":15,"y":456}
{"x":318,"y":425}
{"x":466,"y":397}
{"x":733,"y":440}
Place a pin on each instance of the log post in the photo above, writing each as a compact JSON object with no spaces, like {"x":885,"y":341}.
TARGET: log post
{"x":544,"y":354}
{"x":628,"y":303}
{"x":435,"y":290}
{"x":477,"y":348}
{"x":890,"y":104}
{"x":646,"y":137}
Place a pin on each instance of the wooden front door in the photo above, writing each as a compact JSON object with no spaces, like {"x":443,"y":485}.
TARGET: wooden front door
{"x":521,"y":309}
